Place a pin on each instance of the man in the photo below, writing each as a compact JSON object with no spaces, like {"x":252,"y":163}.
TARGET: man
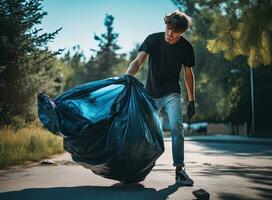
{"x":168,"y":52}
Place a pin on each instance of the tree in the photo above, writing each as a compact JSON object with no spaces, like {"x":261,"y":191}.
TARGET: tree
{"x":24,"y":59}
{"x":240,"y":28}
{"x":239,"y":31}
{"x":212,"y":72}
{"x":74,"y":67}
{"x":105,"y":62}
{"x":106,"y":58}
{"x":217,"y":92}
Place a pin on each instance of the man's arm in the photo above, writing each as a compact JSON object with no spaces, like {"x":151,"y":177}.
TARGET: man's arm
{"x":135,"y":64}
{"x":189,"y":79}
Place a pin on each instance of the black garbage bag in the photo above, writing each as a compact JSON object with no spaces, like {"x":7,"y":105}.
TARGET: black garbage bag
{"x":110,"y":126}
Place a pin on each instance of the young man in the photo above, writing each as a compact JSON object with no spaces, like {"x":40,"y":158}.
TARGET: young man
{"x":168,"y":52}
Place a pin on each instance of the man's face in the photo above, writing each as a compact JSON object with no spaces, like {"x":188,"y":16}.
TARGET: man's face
{"x":172,"y":36}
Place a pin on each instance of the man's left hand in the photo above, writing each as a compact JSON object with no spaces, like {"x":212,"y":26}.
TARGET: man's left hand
{"x":191,"y":110}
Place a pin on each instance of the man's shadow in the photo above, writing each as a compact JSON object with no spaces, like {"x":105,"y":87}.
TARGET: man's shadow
{"x":116,"y":191}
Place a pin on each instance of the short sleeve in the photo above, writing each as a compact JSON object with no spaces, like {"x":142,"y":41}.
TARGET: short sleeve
{"x":189,"y":60}
{"x":146,"y":45}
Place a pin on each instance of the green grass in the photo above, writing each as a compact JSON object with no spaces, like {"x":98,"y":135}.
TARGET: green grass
{"x":32,"y":143}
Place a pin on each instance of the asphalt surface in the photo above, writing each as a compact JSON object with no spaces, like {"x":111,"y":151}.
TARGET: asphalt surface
{"x":229,"y":171}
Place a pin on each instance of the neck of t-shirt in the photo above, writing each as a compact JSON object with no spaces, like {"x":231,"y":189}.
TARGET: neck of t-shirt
{"x":180,"y":38}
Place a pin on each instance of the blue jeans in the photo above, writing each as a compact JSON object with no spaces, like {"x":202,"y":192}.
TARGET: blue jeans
{"x":171,"y":103}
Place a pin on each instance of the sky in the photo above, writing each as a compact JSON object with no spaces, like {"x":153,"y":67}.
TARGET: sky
{"x":134,"y":20}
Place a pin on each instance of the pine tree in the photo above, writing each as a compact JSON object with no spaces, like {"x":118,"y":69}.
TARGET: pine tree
{"x":240,"y":28}
{"x":241,"y":32}
{"x":24,"y":59}
{"x":75,"y":67}
{"x":106,"y":58}
{"x":217,"y":90}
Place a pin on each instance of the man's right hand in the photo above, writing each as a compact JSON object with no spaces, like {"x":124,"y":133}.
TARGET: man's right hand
{"x":126,"y":76}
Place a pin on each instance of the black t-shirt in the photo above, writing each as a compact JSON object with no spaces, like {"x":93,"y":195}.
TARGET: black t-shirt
{"x":165,"y":62}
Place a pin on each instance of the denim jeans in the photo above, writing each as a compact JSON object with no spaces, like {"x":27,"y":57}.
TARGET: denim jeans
{"x":171,"y":103}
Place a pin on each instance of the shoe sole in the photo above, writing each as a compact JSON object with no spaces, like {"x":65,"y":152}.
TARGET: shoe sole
{"x":184,"y":183}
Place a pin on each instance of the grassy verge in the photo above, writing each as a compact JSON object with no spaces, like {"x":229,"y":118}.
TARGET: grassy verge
{"x":32,"y":143}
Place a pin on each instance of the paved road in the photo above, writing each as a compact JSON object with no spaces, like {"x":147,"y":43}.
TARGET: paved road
{"x":227,"y":171}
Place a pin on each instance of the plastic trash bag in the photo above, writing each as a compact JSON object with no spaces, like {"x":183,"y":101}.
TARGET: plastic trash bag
{"x":110,"y":126}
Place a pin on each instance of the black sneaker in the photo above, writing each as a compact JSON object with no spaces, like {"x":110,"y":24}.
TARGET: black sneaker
{"x":183,"y":179}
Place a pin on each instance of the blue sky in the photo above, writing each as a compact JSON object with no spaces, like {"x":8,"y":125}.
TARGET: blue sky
{"x":80,"y":19}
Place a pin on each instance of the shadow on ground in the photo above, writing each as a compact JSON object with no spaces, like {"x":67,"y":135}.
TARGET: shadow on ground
{"x":233,"y":149}
{"x":259,"y":174}
{"x":116,"y":191}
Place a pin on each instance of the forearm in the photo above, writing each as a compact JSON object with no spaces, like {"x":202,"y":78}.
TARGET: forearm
{"x":190,"y":85}
{"x":133,"y":68}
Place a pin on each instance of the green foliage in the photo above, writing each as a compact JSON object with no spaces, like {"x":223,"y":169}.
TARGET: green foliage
{"x":105,"y":62}
{"x":24,"y":59}
{"x":73,"y":67}
{"x":240,"y":28}
{"x":218,"y":91}
{"x":106,"y":59}
{"x":239,"y":31}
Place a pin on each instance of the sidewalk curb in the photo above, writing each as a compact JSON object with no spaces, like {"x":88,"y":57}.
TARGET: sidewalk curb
{"x":227,"y":139}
